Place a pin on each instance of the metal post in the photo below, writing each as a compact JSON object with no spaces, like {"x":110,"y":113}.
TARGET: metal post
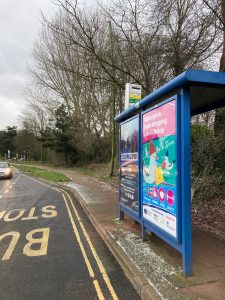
{"x":186,"y":183}
{"x":113,"y":101}
{"x":121,"y":215}
{"x":140,"y":212}
{"x":143,"y":231}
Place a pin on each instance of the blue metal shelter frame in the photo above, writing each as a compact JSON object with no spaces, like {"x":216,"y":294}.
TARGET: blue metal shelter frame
{"x":195,"y":92}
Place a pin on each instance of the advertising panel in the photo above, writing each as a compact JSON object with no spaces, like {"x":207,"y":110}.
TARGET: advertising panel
{"x":159,"y":167}
{"x":129,"y":164}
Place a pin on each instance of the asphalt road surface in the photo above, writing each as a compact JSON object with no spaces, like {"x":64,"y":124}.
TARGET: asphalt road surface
{"x":50,"y":250}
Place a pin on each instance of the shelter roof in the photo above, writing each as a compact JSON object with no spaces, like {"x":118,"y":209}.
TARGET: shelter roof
{"x":207,"y":92}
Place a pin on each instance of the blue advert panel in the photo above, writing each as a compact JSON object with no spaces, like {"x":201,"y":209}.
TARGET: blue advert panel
{"x":129,"y":164}
{"x":159,"y":193}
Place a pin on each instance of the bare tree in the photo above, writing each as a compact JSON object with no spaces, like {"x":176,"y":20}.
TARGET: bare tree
{"x":218,"y":9}
{"x":152,"y":42}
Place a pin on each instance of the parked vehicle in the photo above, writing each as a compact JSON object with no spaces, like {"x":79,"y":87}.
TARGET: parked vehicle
{"x":5,"y":170}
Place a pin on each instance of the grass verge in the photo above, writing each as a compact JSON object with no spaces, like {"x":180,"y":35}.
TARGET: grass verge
{"x":42,"y":173}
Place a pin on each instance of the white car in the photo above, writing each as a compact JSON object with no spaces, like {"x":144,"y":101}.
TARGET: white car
{"x":5,"y":170}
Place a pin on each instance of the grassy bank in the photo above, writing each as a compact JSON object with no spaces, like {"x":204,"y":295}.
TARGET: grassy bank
{"x":100,"y":172}
{"x":42,"y":173}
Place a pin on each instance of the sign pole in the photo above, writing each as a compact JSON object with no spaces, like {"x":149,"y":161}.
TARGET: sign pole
{"x":121,"y":213}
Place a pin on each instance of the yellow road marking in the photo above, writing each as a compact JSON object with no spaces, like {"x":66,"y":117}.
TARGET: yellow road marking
{"x":7,"y":219}
{"x":91,"y":272}
{"x":15,"y":236}
{"x":31,"y":215}
{"x":43,"y":241}
{"x":98,"y":290}
{"x":98,"y":261}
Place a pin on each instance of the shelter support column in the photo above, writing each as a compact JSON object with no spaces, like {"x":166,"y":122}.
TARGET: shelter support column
{"x":185,"y":192}
{"x":121,"y":215}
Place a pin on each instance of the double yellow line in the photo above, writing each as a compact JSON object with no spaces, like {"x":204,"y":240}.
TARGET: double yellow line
{"x":66,"y":198}
{"x":87,"y":261}
{"x":88,"y":264}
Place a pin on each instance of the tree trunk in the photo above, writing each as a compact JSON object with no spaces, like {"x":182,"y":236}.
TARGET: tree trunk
{"x":41,"y":153}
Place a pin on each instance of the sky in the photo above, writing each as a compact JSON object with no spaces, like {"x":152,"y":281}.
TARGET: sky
{"x":20,"y":22}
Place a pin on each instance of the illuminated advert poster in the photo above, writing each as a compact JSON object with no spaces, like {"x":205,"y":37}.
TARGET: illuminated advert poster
{"x":159,"y":167}
{"x":129,"y":164}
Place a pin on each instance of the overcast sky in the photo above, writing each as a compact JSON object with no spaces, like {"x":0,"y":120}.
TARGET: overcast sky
{"x":19,"y":23}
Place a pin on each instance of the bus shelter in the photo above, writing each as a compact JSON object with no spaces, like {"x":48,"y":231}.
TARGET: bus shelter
{"x":154,"y":156}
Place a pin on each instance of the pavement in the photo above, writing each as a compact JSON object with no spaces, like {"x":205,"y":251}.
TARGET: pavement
{"x":153,"y":267}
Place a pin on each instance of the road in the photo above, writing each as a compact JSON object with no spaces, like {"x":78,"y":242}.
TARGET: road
{"x":50,"y":250}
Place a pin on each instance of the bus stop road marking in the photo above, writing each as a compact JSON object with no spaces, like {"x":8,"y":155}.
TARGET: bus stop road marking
{"x":66,"y":198}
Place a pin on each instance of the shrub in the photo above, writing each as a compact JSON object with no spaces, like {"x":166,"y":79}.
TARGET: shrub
{"x":208,"y":155}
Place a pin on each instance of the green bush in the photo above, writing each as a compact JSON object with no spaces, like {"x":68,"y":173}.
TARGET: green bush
{"x":208,"y":156}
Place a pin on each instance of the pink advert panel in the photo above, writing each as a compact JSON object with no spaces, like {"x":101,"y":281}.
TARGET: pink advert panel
{"x":159,"y":122}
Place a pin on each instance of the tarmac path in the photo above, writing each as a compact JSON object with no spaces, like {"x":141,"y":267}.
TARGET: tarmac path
{"x":50,"y":250}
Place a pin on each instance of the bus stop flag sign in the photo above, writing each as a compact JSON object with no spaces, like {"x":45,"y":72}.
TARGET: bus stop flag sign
{"x":132,"y":94}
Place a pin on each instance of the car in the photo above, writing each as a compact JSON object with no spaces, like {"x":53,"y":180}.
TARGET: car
{"x":5,"y":170}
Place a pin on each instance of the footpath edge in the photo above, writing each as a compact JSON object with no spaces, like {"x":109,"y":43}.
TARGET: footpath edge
{"x":140,"y":283}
